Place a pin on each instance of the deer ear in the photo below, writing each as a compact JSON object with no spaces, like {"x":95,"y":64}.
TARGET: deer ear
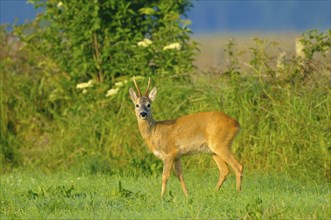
{"x":133,"y":95}
{"x":152,"y":94}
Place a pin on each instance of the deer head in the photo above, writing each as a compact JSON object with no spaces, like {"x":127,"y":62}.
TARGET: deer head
{"x":143,"y":103}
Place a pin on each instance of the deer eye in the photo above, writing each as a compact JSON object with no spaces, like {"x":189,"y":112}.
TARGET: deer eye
{"x":137,"y":105}
{"x":148,"y":105}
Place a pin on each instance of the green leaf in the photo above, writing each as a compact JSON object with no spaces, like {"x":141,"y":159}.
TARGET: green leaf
{"x":147,"y":11}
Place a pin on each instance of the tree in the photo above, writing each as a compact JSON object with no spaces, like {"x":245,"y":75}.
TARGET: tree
{"x":105,"y":39}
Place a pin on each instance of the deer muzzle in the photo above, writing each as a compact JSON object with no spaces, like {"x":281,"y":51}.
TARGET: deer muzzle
{"x":143,"y":114}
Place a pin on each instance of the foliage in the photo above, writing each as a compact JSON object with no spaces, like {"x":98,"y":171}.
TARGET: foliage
{"x":49,"y":122}
{"x":312,"y":47}
{"x":33,"y":92}
{"x":261,"y":59}
{"x":106,"y":39}
{"x":316,"y":42}
{"x":233,"y":57}
{"x":267,"y":59}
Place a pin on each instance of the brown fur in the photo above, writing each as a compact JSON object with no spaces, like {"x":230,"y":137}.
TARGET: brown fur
{"x":204,"y":132}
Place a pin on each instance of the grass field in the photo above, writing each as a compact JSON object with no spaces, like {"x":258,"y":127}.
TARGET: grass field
{"x":102,"y":196}
{"x":212,"y":46}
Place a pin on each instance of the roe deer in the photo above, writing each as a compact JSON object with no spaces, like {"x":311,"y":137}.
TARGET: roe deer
{"x":169,"y":140}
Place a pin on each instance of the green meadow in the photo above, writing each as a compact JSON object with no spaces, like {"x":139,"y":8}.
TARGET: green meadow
{"x":101,"y":196}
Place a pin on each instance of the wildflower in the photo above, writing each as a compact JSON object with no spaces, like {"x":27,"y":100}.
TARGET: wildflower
{"x":145,"y":43}
{"x":300,"y":48}
{"x":60,"y":4}
{"x":84,"y":91}
{"x":176,"y":46}
{"x":85,"y":85}
{"x":120,"y":84}
{"x":325,"y":49}
{"x":112,"y":92}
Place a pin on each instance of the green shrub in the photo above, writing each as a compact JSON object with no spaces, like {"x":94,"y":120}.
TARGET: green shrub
{"x":105,"y":39}
{"x":316,"y":42}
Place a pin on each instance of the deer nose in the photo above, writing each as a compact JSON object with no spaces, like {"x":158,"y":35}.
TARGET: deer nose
{"x":143,"y":114}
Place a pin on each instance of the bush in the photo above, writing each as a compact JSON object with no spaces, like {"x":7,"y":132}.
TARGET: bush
{"x":105,"y":39}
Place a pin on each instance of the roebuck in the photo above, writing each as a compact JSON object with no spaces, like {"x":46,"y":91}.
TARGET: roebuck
{"x":169,"y":140}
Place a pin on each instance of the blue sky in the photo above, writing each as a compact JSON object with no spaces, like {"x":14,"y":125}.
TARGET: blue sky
{"x":272,"y":15}
{"x":209,"y":16}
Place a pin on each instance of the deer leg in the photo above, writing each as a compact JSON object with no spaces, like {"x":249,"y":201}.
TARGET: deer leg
{"x":168,"y":163}
{"x":228,"y":157}
{"x":223,"y":169}
{"x":178,"y":171}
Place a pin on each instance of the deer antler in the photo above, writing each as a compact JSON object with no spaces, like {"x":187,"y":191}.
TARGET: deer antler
{"x":135,"y":83}
{"x":149,"y":83}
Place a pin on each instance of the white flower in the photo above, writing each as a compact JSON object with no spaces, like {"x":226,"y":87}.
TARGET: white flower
{"x":112,"y":92}
{"x":145,"y":43}
{"x":176,"y":46}
{"x":84,"y":91}
{"x":300,"y":48}
{"x":120,"y":84}
{"x":60,"y":4}
{"x":85,"y":85}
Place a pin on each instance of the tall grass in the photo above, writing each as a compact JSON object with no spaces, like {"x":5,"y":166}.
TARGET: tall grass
{"x":48,"y":124}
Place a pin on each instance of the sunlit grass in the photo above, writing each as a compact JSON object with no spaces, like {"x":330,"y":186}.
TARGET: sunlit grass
{"x":68,"y":195}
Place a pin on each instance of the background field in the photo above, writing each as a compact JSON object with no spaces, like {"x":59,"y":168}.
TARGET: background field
{"x":212,"y":46}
